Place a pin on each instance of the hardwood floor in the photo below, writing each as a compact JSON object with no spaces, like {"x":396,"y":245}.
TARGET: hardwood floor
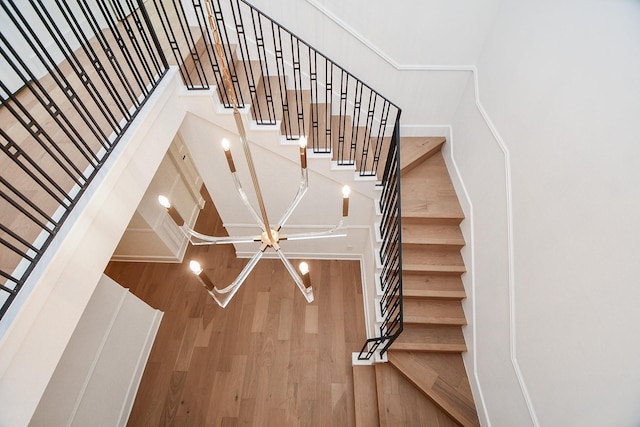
{"x":268,"y":359}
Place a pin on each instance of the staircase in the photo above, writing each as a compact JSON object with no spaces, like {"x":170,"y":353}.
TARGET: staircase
{"x":425,"y":382}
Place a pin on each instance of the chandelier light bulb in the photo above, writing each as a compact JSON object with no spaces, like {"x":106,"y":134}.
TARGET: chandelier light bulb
{"x":304,"y":268}
{"x":226,"y":146}
{"x":303,"y":152}
{"x":195,"y":267}
{"x":164,"y":201}
{"x":345,"y":200}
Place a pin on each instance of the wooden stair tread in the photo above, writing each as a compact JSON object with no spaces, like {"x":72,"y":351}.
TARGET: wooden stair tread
{"x":413,"y":150}
{"x":427,"y":191}
{"x":434,"y":312}
{"x":432,"y":255}
{"x":402,"y":404}
{"x":432,"y":234}
{"x":366,"y":400}
{"x":443,"y":338}
{"x":442,"y":377}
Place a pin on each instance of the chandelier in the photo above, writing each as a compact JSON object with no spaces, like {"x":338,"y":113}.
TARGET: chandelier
{"x":270,"y":236}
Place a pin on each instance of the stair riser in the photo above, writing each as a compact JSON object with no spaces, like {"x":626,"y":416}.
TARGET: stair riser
{"x":457,"y":296}
{"x":430,"y":220}
{"x":432,"y":270}
{"x":434,"y":321}
{"x":431,"y":349}
{"x":448,"y":246}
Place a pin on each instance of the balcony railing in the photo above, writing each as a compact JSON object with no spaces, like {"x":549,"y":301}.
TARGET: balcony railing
{"x":74,"y":76}
{"x":77,"y":72}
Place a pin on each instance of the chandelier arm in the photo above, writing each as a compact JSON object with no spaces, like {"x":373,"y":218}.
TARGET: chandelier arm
{"x":317,"y":234}
{"x":245,"y":200}
{"x":306,"y":292}
{"x":302,"y":190}
{"x":237,"y":283}
{"x":197,"y":239}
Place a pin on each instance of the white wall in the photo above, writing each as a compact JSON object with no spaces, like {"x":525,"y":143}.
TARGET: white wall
{"x":559,"y":81}
{"x":406,"y":51}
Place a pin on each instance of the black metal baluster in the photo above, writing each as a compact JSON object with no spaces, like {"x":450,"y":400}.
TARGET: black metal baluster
{"x":282,"y":81}
{"x":54,"y":71}
{"x":264,"y":67}
{"x":328,"y":102}
{"x":245,"y":58}
{"x":109,"y":53}
{"x":313,"y":76}
{"x":367,"y":135}
{"x":41,"y":136}
{"x":191,"y":45}
{"x":173,"y":44}
{"x":105,"y":10}
{"x":75,"y":63}
{"x":297,"y":81}
{"x":202,"y":17}
{"x":42,"y":225}
{"x":28,"y":165}
{"x":355,"y":128}
{"x":344,"y":89}
{"x":379,"y":143}
{"x":138,"y":15}
{"x":132,"y":40}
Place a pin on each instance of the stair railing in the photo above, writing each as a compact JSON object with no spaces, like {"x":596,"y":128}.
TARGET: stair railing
{"x":74,"y":75}
{"x":390,"y":278}
{"x":306,"y":92}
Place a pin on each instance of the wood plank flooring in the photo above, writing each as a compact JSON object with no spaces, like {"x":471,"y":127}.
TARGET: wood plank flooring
{"x":268,"y":359}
